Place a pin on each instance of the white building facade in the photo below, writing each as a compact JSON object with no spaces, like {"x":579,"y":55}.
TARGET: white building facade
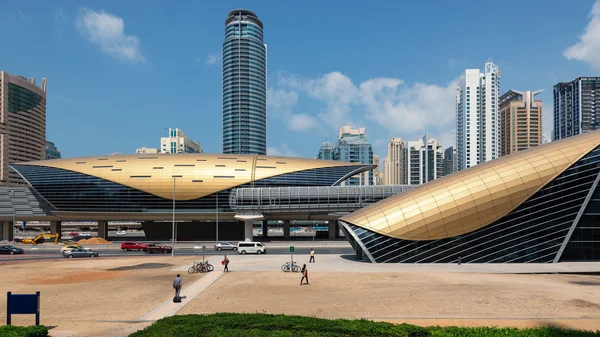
{"x":393,"y":165}
{"x":178,"y":142}
{"x":477,"y":117}
{"x":423,"y":164}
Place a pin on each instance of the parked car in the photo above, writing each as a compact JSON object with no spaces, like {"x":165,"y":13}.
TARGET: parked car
{"x":121,"y":232}
{"x":73,"y":234}
{"x":71,"y":247}
{"x":79,"y":252}
{"x":132,"y":245}
{"x":85,"y":234}
{"x":225,"y":246}
{"x":251,"y":247}
{"x":11,"y":250}
{"x":153,"y":248}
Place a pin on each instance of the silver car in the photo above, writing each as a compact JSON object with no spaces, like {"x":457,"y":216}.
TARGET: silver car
{"x":79,"y":252}
{"x":225,"y":246}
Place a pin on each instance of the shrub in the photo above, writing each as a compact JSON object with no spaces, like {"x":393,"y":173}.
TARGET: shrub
{"x":22,"y":331}
{"x":250,"y":325}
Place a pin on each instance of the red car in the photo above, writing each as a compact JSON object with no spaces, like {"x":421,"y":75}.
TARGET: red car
{"x":157,"y":249}
{"x":132,"y":245}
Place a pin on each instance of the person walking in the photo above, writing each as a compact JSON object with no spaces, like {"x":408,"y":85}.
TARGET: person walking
{"x":177,"y":284}
{"x":312,"y":255}
{"x":304,"y":274}
{"x":226,"y":263}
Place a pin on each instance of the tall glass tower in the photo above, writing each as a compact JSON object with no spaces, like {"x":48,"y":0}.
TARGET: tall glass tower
{"x":244,"y":85}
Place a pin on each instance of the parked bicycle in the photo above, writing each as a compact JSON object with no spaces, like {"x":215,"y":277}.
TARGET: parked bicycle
{"x":201,"y":267}
{"x":289,"y":266}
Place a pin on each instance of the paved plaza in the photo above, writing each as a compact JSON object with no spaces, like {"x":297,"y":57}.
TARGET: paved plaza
{"x":118,"y":295}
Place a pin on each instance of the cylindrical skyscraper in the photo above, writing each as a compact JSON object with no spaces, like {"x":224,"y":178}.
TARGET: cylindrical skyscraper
{"x":244,"y":84}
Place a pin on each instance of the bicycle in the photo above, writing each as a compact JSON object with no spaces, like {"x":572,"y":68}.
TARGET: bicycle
{"x":288,"y":266}
{"x":200,"y":267}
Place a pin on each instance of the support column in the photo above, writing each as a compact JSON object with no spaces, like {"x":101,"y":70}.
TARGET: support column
{"x":7,"y":231}
{"x":286,"y":229}
{"x":56,"y":227}
{"x":265,"y":228}
{"x":248,"y":230}
{"x":332,"y":226}
{"x":103,"y":229}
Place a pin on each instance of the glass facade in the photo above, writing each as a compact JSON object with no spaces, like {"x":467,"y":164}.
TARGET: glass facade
{"x":72,"y":191}
{"x":533,"y":232}
{"x":244,"y":85}
{"x":575,"y":105}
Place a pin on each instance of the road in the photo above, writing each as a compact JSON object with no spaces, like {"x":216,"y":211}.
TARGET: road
{"x":52,"y":251}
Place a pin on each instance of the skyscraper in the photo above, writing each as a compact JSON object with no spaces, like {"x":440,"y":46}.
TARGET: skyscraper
{"x":326,"y":152}
{"x":353,"y":147}
{"x":377,"y":175}
{"x":477,"y":124}
{"x":449,"y":160}
{"x":417,"y":162}
{"x":51,"y":151}
{"x":520,"y":121}
{"x":393,"y":164}
{"x":178,"y":142}
{"x":575,"y":106}
{"x":244,"y":84}
{"x":22,"y":124}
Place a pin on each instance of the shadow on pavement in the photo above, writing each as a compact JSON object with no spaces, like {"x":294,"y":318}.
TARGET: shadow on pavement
{"x":351,"y":257}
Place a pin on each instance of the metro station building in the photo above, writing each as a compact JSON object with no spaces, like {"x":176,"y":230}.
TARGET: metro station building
{"x":540,"y":205}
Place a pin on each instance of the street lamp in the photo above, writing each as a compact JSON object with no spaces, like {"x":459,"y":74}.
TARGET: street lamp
{"x":12,"y":199}
{"x":217,"y":236}
{"x":173,"y":229}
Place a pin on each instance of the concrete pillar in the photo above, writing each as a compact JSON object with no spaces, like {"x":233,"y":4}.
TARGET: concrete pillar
{"x":248,"y":230}
{"x":265,"y":228}
{"x":332,"y":226}
{"x":7,"y":231}
{"x":56,"y":227}
{"x":286,"y":229}
{"x":103,"y":229}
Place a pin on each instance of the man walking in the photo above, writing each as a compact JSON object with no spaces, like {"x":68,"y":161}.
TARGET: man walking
{"x":312,"y":256}
{"x":177,"y":284}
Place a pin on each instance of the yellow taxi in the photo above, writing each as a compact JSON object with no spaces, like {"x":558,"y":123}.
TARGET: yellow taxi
{"x":73,"y":246}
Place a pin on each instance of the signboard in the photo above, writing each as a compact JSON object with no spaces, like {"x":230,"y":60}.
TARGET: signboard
{"x":23,"y":304}
{"x":291,"y":249}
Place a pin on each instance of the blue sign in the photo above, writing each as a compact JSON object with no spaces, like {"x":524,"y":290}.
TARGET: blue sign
{"x":22,"y":304}
{"x":24,"y":224}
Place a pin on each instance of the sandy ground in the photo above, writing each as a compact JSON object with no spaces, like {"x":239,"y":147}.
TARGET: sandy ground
{"x":418,"y":298}
{"x":84,"y":297}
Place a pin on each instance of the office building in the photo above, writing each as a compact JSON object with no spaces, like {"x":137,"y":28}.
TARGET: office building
{"x":419,"y":159}
{"x":22,"y":124}
{"x":533,"y":206}
{"x":178,"y":142}
{"x":575,"y":106}
{"x":520,"y":121}
{"x":477,"y":125}
{"x":377,"y":173}
{"x":51,"y":151}
{"x":327,"y":152}
{"x":146,"y":150}
{"x":449,"y":160}
{"x":352,"y":147}
{"x":393,"y":165}
{"x":244,"y":85}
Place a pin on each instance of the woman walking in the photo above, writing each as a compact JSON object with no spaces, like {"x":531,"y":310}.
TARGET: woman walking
{"x":226,"y":263}
{"x":304,"y":274}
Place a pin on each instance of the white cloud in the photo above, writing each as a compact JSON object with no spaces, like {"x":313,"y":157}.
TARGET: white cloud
{"x":108,"y":31}
{"x":23,"y":16}
{"x":60,"y":18}
{"x":447,"y":138}
{"x":301,"y":122}
{"x":397,"y":107}
{"x":588,"y":48}
{"x":282,"y":150}
{"x":281,"y":104}
{"x":211,"y":60}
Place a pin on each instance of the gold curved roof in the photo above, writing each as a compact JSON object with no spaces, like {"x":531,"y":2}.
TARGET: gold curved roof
{"x":198,"y":175}
{"x":473,"y":198}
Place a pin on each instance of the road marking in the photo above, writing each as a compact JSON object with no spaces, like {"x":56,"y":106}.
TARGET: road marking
{"x":168,"y":308}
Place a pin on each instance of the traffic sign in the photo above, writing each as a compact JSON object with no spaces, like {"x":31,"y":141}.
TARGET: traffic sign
{"x":291,"y":249}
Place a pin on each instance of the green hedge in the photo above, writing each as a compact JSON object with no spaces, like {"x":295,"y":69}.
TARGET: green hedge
{"x":23,"y":331}
{"x":246,"y":325}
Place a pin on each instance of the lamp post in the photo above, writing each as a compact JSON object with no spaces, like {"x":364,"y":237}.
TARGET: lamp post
{"x":12,"y":199}
{"x":217,"y":236}
{"x":173,"y":229}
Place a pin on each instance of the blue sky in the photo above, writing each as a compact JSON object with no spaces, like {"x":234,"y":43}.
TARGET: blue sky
{"x":119,"y":72}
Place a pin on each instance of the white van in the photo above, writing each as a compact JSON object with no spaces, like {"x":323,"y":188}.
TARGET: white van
{"x":251,"y":248}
